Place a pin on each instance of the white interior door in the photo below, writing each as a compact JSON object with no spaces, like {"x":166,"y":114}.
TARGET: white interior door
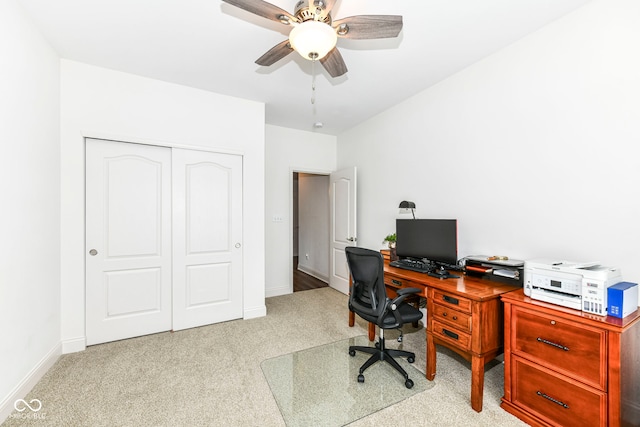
{"x":207,"y":227}
{"x":343,"y":226}
{"x":128,"y":240}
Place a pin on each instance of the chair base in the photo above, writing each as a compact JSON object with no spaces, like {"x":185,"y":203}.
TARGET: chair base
{"x":381,"y":353}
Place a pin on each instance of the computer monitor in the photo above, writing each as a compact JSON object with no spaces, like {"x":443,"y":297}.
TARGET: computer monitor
{"x":433,"y":239}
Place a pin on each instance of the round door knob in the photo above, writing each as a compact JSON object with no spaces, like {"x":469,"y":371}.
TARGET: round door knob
{"x":93,"y":252}
{"x":238,"y":245}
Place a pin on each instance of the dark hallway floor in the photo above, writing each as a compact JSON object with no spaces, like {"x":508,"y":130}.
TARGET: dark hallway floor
{"x":303,"y":281}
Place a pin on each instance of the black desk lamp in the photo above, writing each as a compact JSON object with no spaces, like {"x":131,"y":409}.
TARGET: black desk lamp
{"x":408,"y":205}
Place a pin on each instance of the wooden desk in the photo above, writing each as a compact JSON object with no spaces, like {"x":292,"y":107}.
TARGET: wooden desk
{"x":463,"y":314}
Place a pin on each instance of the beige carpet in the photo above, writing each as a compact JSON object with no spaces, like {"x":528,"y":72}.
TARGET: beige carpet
{"x":211,"y":376}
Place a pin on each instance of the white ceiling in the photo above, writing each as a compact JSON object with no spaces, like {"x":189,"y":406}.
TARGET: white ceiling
{"x":212,"y":45}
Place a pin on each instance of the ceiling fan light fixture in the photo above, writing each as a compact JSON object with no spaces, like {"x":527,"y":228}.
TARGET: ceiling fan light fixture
{"x":312,"y":39}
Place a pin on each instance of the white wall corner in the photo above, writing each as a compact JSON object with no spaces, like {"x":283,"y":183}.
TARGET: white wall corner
{"x":74,"y":345}
{"x":254,"y":312}
{"x":29,"y":381}
{"x":277,"y":291}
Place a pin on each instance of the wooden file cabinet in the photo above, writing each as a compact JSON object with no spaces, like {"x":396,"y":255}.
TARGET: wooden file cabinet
{"x":564,"y":367}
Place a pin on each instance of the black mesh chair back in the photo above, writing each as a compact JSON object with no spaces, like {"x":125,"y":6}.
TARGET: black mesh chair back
{"x":368,"y":296}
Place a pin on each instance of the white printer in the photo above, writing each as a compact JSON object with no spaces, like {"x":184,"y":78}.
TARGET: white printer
{"x":581,"y":286}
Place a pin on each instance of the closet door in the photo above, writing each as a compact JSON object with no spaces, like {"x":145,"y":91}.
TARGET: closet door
{"x":207,"y":244}
{"x":128,"y":240}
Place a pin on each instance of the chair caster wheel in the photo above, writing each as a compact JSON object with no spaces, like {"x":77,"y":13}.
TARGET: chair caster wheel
{"x":361,"y":379}
{"x":410,"y":359}
{"x":408,"y":383}
{"x":352,"y":353}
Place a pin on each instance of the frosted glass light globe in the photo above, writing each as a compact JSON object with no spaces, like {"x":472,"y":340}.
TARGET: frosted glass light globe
{"x":313,"y":39}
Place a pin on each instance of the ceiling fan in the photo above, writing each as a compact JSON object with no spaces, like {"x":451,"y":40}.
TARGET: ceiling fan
{"x":314,"y":34}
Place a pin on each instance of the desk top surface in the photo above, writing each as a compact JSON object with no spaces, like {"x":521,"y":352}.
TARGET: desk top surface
{"x":467,"y":286}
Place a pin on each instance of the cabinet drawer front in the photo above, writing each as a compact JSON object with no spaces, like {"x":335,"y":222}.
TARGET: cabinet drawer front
{"x":570,"y":348}
{"x":452,"y":335}
{"x":555,"y":399}
{"x":452,"y":301}
{"x":445,"y":314}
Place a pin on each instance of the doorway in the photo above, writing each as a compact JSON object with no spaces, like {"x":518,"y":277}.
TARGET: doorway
{"x":310,"y":231}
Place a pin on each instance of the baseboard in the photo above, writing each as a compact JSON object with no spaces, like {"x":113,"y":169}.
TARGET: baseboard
{"x":254,"y":312}
{"x":74,"y":345}
{"x":313,"y":273}
{"x":29,"y":381}
{"x":276,"y":292}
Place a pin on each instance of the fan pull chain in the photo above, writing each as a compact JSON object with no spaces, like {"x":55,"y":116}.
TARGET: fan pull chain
{"x":313,"y":81}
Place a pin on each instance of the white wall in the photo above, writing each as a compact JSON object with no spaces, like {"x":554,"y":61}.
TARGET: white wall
{"x":30,"y":210}
{"x":287,"y":151}
{"x":533,"y":149}
{"x":104,"y":103}
{"x":314,"y":225}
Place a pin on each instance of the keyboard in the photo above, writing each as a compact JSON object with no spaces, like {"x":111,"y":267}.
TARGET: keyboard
{"x":413,"y":265}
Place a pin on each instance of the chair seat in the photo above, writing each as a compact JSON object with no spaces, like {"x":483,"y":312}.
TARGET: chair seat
{"x":408,"y":313}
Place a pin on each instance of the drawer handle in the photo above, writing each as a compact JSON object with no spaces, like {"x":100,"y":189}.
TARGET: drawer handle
{"x":450,"y":334}
{"x":450,"y":300}
{"x":547,"y":342}
{"x":556,"y":401}
{"x":396,"y":282}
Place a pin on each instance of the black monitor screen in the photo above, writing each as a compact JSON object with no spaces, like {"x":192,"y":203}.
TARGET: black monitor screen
{"x":433,"y":239}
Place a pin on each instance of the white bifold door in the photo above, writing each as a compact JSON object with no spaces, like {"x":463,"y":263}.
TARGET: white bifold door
{"x":163,"y":239}
{"x":207,"y":230}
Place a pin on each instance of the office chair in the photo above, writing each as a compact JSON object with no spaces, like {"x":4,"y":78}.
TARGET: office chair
{"x":368,"y":299}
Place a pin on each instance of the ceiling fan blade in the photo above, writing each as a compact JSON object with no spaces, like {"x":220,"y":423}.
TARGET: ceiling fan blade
{"x":275,"y":54}
{"x":264,"y":9}
{"x":329,"y":4}
{"x":333,"y":63}
{"x":369,"y":26}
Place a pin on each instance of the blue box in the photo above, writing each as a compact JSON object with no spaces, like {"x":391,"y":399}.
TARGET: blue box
{"x":622,"y":299}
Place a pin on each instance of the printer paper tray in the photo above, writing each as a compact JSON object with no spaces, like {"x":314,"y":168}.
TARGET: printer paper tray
{"x":559,"y":298}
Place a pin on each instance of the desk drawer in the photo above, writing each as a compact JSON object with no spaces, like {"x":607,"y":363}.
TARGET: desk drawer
{"x":452,"y":301}
{"x":567,"y":347}
{"x":553,"y":397}
{"x":398,"y":283}
{"x":445,"y":314}
{"x":452,"y":335}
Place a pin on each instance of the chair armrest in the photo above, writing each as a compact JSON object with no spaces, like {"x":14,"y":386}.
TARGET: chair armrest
{"x":405,"y":291}
{"x":402,"y":294}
